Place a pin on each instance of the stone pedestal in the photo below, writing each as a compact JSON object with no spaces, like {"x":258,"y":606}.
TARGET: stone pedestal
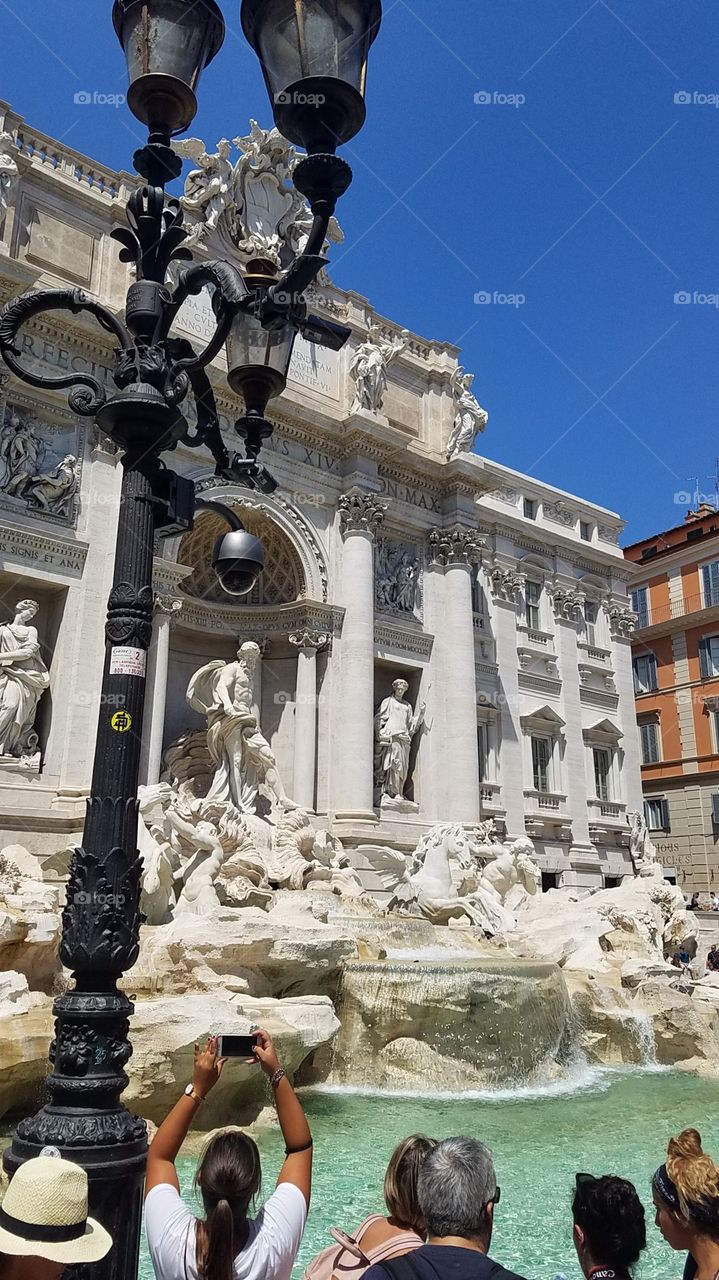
{"x":361,"y":515}
{"x":305,"y":754}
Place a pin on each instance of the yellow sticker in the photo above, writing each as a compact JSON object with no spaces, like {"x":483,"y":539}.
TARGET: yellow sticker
{"x":121,"y":721}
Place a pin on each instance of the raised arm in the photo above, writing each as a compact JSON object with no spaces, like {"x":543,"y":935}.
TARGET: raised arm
{"x":173,"y":1130}
{"x":297,"y":1167}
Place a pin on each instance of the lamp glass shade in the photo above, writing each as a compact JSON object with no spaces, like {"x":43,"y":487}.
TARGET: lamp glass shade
{"x":258,"y":359}
{"x":167,"y":45}
{"x":314,"y":49}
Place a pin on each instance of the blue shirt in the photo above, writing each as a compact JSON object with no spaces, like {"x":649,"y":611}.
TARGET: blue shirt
{"x":447,"y":1262}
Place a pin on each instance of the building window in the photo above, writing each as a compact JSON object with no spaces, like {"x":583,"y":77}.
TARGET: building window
{"x":530,"y":509}
{"x":532,"y":601}
{"x":644,"y":666}
{"x":656,"y":814}
{"x":651,"y":752}
{"x":709,"y":656}
{"x":591,"y":612}
{"x":479,"y":604}
{"x":710,"y":582}
{"x":483,"y":750}
{"x":585,"y":531}
{"x":715,"y":809}
{"x":640,"y":605}
{"x":541,"y":763}
{"x":602,"y":773}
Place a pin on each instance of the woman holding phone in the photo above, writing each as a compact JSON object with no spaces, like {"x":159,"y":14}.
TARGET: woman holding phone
{"x":227,"y":1244}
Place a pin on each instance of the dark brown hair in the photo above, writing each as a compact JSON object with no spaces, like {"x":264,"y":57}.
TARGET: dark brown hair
{"x":400,"y":1184}
{"x":611,"y":1216}
{"x":228,"y":1178}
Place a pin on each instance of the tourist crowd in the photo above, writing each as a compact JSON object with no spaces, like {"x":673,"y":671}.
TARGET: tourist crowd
{"x":440,"y":1200}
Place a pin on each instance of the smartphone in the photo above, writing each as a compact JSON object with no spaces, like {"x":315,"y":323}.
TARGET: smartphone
{"x":236,"y":1046}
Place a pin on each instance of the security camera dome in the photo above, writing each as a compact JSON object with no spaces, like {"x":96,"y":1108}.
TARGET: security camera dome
{"x":238,"y":559}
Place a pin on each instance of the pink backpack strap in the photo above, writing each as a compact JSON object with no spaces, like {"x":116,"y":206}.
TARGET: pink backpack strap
{"x":397,"y":1245}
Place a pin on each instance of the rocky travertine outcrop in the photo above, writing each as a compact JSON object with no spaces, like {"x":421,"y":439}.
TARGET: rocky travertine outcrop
{"x":29,"y":925}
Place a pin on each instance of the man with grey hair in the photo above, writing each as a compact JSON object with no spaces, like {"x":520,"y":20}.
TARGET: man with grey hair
{"x":457,"y":1191}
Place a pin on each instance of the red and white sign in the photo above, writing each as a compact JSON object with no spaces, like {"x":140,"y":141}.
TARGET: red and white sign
{"x":127,"y":662}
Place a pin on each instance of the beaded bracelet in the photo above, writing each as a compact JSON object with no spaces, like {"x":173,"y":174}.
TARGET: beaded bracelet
{"x":275,"y":1079}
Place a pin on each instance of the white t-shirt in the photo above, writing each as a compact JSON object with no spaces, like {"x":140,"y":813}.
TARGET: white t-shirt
{"x":272,"y":1245}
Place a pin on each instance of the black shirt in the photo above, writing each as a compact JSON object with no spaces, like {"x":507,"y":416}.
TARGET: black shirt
{"x":446,"y":1262}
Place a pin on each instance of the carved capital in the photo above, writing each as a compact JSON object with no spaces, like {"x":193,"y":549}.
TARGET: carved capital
{"x":567,"y":603}
{"x":454,"y":546}
{"x":506,"y":584}
{"x":309,"y":639}
{"x":167,"y":605}
{"x":361,"y":512}
{"x":622,"y":621}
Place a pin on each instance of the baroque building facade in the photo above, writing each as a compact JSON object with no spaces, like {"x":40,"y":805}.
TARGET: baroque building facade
{"x":393,"y":553}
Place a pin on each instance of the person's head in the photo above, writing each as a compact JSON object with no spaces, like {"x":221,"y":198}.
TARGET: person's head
{"x":249,"y":654}
{"x":26,"y":609}
{"x":686,"y":1193}
{"x":399,"y":688}
{"x":228,"y":1178}
{"x":44,"y":1226}
{"x":400,"y":1183}
{"x":457,"y":1190}
{"x":609,"y":1225}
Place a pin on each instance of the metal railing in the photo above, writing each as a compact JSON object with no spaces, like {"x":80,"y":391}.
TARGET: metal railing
{"x":677,"y":609}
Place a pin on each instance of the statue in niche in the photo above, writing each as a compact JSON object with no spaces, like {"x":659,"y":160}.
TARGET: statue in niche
{"x":9,"y":172}
{"x":368,"y":369}
{"x":53,"y":491}
{"x":470,"y":418}
{"x":396,"y":723}
{"x":642,"y":849}
{"x":23,"y":680}
{"x":241,"y":755}
{"x":397,"y":582}
{"x":208,"y":188}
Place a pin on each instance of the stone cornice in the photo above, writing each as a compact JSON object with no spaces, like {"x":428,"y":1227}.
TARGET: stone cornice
{"x":43,"y":552}
{"x":276,"y":622}
{"x":388,"y":635}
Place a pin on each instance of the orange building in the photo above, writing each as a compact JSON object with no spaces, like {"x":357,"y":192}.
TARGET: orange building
{"x":675,"y":651}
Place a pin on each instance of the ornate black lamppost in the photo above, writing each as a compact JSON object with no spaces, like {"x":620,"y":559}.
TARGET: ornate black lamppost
{"x":314,"y":56}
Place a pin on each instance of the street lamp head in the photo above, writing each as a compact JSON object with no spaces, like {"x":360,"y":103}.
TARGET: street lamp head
{"x":314,"y":60}
{"x":238,"y":559}
{"x":167,"y":44}
{"x":258,"y":357}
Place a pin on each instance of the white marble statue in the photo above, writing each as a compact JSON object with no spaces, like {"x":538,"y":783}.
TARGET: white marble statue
{"x":641,"y":848}
{"x":512,"y":868}
{"x":242,"y":756}
{"x":9,"y":172}
{"x":53,"y":491}
{"x":22,"y":453}
{"x":396,"y":577}
{"x":395,"y":725}
{"x":209,"y":187}
{"x":23,"y":679}
{"x":160,"y":861}
{"x":368,"y":369}
{"x":470,"y":418}
{"x":426,"y":886}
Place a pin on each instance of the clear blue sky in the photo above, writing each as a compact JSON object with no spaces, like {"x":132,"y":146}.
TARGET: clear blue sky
{"x":595,"y":199}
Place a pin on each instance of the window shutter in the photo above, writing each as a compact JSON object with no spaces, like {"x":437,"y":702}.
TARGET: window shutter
{"x":704,"y":656}
{"x":652,"y":682}
{"x":715,"y":809}
{"x":664,"y":805}
{"x":710,"y":574}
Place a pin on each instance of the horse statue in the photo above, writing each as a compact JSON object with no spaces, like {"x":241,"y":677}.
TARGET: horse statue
{"x":425,"y":887}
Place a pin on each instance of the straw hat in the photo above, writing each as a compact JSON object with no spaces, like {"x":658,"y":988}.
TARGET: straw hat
{"x":44,"y":1214}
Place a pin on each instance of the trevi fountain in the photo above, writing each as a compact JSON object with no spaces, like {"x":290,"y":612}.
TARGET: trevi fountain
{"x":391,"y":804}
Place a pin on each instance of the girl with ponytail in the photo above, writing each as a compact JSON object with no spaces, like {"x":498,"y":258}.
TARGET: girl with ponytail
{"x":227,"y":1244}
{"x":686,"y":1197}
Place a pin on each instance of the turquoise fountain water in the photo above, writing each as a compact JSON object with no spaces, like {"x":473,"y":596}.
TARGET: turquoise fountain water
{"x":603,"y":1122}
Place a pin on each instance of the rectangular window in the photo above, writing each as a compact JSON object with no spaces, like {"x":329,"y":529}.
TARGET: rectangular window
{"x":640,"y":605}
{"x":532,"y":597}
{"x":541,"y":759}
{"x":650,"y":742}
{"x":644,"y":666}
{"x":478,"y":599}
{"x":585,"y":531}
{"x":709,"y":656}
{"x":656,"y":814}
{"x":715,"y":809}
{"x":602,"y":773}
{"x":530,"y":509}
{"x":483,"y":748}
{"x":710,"y":582}
{"x":590,"y":621}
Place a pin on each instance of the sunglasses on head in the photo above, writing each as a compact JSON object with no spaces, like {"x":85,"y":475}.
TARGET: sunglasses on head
{"x":496,"y":1197}
{"x":585,"y":1179}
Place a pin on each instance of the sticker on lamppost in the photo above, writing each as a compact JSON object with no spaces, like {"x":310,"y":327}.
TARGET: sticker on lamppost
{"x":121,"y":721}
{"x":127,"y":662}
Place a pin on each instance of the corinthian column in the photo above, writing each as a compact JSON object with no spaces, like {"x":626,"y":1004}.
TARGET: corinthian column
{"x":158,"y":662}
{"x":455,"y":551}
{"x":307,"y":644}
{"x":361,"y":514}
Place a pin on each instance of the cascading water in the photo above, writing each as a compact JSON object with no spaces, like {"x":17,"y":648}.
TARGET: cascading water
{"x":451,"y":1025}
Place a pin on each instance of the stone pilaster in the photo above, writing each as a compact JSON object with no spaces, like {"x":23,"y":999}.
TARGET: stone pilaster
{"x":506,"y":586}
{"x":157,"y":666}
{"x":308,"y":644}
{"x":361,"y":515}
